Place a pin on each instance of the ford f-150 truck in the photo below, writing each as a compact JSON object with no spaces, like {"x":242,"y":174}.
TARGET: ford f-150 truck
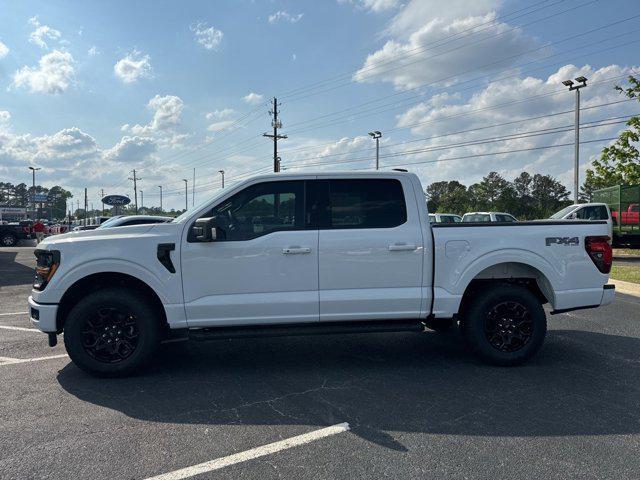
{"x":299,"y":254}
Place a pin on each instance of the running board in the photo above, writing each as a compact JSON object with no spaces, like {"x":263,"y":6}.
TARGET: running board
{"x":319,"y":328}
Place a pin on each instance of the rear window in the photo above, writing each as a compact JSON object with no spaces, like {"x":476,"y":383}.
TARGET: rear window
{"x":375,"y":203}
{"x":504,"y":218}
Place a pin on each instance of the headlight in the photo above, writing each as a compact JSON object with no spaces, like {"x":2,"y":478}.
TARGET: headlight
{"x":47,"y":263}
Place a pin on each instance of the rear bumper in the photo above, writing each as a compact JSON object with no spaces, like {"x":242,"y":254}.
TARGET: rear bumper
{"x":43,"y":316}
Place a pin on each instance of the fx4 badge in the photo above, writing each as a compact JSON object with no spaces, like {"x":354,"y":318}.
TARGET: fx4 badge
{"x":562,"y":241}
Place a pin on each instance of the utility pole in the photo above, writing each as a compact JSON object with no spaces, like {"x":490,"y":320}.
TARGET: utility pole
{"x":86,"y":205}
{"x":135,"y":188}
{"x":376,"y":136}
{"x":101,"y":197}
{"x":582,"y":82}
{"x":33,"y":179}
{"x":160,"y":187}
{"x":221,"y":172}
{"x":186,"y":193}
{"x":276,"y":124}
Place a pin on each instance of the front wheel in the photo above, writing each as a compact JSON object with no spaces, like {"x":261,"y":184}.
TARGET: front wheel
{"x":111,"y":332}
{"x":504,"y":324}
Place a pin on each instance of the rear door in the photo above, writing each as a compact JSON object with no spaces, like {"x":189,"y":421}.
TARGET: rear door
{"x":370,"y":250}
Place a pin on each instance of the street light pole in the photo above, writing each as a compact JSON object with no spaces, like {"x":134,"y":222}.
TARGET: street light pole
{"x":222,"y":173}
{"x":33,"y":179}
{"x":160,"y":187}
{"x":582,"y":82}
{"x":376,"y":136}
{"x":186,"y":194}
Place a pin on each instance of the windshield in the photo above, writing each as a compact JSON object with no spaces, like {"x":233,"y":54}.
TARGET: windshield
{"x":183,"y":216}
{"x":564,"y":211}
{"x":109,"y":222}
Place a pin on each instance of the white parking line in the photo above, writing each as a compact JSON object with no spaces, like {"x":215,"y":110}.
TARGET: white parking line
{"x":13,"y":313}
{"x":21,"y":329}
{"x":268,"y":449}
{"x":13,"y":361}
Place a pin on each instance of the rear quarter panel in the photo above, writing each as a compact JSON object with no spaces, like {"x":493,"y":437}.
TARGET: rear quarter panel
{"x":568,"y":277}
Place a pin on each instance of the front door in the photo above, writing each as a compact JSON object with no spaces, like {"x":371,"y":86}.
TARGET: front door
{"x":265,"y":271}
{"x":371,"y":250}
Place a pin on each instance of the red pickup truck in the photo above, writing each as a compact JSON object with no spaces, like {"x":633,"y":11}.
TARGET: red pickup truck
{"x":629,"y":217}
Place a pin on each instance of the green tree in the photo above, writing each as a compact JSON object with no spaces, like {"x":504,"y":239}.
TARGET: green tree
{"x":548,"y":194}
{"x":57,"y":198}
{"x":447,"y":197}
{"x":619,"y":163}
{"x":487,"y":193}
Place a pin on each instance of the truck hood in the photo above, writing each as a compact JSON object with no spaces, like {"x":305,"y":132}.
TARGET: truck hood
{"x":110,"y":235}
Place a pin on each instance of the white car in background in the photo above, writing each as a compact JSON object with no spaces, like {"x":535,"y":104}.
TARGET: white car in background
{"x":123,"y":221}
{"x":444,"y":218}
{"x":488,"y":217}
{"x":586,"y":211}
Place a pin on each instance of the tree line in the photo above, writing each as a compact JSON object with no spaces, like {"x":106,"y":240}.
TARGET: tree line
{"x":526,"y":197}
{"x":20,"y":195}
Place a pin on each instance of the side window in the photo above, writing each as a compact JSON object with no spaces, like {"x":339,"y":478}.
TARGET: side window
{"x":601,"y":213}
{"x":367,"y":203}
{"x":504,"y":218}
{"x":261,"y":209}
{"x":457,"y":219}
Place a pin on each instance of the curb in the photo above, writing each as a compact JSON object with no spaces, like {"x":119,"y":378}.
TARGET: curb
{"x":628,"y":288}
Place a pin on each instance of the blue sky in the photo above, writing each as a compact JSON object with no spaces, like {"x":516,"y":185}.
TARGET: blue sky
{"x":91,"y":90}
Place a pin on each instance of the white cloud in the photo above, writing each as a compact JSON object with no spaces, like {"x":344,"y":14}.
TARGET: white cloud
{"x":376,"y":6}
{"x":223,"y":113}
{"x":4,"y":50}
{"x":93,"y":51}
{"x":131,"y":150}
{"x":42,"y":33}
{"x":283,"y":16}
{"x":207,"y":36}
{"x":54,"y":74}
{"x":133,"y":67}
{"x":167,"y":115}
{"x":444,"y":114}
{"x":217,"y":126}
{"x":407,"y":64}
{"x":418,"y":13}
{"x":253,"y":98}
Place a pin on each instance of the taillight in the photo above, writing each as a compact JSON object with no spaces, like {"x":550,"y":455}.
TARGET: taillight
{"x":599,"y":250}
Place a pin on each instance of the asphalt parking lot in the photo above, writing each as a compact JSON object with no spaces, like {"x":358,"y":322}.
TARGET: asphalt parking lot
{"x":416,"y":405}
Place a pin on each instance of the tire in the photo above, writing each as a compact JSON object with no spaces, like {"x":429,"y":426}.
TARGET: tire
{"x":112,"y":332}
{"x":8,"y":240}
{"x":504,"y":324}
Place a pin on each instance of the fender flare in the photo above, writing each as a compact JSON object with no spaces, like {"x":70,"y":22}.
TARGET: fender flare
{"x":552,"y":274}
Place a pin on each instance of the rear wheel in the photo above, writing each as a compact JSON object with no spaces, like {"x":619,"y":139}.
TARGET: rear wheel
{"x":504,"y":324}
{"x":111,"y":332}
{"x":8,"y":240}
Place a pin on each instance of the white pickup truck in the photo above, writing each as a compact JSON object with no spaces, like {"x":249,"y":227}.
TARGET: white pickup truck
{"x":295,"y":254}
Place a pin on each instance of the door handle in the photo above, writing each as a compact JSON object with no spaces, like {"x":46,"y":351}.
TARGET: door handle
{"x":295,"y":250}
{"x":402,"y":247}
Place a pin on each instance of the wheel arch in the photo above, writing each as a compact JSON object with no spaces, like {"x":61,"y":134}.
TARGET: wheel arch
{"x":510,"y":272}
{"x":95,"y":281}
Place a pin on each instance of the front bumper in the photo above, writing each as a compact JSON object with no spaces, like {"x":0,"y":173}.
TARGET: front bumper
{"x":608,"y":294}
{"x":43,"y":316}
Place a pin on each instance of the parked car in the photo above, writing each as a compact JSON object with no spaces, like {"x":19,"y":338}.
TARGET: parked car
{"x":12,"y":233}
{"x":123,"y":221}
{"x":587,"y":211}
{"x":300,"y":254}
{"x":488,"y":217}
{"x":444,"y":218}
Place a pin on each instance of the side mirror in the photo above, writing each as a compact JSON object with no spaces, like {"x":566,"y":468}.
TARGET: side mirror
{"x":207,"y":230}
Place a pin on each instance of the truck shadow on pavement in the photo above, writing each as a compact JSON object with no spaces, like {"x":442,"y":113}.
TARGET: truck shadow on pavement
{"x":581,"y":383}
{"x":13,"y":272}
